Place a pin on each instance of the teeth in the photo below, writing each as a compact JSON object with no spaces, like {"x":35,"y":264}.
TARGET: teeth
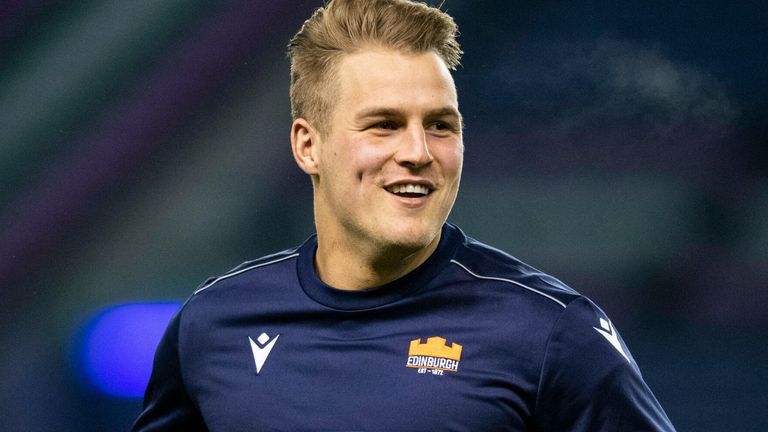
{"x":409,"y":188}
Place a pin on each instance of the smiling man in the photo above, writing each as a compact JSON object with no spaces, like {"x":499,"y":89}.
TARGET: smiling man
{"x":386,"y":168}
{"x":389,"y":319}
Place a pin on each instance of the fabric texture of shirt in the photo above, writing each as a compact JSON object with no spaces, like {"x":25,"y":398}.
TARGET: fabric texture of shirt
{"x":472,"y":340}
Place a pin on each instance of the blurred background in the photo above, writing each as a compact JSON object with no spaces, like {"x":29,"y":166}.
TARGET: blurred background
{"x":620,"y":146}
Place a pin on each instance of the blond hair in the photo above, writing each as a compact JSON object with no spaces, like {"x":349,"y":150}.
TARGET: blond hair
{"x":346,"y":26}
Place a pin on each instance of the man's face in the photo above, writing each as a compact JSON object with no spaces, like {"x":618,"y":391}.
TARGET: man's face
{"x":389,"y":165}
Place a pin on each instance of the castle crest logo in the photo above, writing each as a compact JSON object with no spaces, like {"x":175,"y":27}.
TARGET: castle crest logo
{"x":434,"y":356}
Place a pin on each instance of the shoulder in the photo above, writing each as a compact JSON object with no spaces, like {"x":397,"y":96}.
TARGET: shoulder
{"x":249,"y":280}
{"x":547,"y":308}
{"x":486,"y":263}
{"x":266,"y":264}
{"x":239,"y":292}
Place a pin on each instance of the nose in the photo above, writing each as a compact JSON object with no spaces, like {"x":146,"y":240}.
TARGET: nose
{"x":413,"y":151}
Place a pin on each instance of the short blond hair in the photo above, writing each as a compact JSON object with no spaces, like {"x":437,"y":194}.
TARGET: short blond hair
{"x":346,"y":26}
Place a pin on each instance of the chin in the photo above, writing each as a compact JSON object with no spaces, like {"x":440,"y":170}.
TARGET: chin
{"x":412,"y":237}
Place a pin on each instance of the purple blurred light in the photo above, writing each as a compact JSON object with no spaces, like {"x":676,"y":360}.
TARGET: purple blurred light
{"x":119,"y":346}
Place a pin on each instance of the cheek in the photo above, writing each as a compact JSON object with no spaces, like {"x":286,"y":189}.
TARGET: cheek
{"x":366,"y":159}
{"x":451,"y":160}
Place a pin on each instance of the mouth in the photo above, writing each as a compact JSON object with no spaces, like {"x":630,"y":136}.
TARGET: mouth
{"x":409,"y":190}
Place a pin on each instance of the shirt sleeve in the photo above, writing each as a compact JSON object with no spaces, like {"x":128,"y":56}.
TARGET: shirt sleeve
{"x":589,"y":380}
{"x":167,"y":406}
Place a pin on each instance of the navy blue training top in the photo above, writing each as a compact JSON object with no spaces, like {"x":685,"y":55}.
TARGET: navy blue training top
{"x":472,"y":340}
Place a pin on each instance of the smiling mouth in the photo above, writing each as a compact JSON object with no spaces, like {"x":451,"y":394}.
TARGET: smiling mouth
{"x":409,"y":190}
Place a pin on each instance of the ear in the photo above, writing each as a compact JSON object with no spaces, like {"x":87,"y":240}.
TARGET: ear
{"x":304,"y":141}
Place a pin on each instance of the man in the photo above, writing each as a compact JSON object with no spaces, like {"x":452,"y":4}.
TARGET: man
{"x":389,"y":319}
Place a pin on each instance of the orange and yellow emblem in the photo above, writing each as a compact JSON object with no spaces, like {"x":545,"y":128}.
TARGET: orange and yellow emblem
{"x":434,"y":355}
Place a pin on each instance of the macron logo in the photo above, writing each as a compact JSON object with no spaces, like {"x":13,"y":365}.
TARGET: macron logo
{"x":261,"y":348}
{"x":609,"y":333}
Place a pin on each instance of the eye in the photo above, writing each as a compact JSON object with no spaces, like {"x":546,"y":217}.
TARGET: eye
{"x":442,"y":127}
{"x":386,"y":124}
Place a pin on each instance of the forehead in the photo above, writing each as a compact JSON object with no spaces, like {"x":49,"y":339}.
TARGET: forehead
{"x":394,"y":79}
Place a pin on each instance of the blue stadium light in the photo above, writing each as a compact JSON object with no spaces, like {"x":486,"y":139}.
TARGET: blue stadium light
{"x":119,"y":344}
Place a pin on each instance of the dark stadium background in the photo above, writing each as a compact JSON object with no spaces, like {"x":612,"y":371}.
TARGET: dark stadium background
{"x":618,"y":145}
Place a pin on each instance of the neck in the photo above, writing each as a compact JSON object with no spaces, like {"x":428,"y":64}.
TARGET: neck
{"x":350,"y":265}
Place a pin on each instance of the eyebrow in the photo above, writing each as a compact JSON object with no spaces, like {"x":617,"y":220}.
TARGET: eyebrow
{"x":448,"y":112}
{"x":378,"y":112}
{"x":392,"y":112}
